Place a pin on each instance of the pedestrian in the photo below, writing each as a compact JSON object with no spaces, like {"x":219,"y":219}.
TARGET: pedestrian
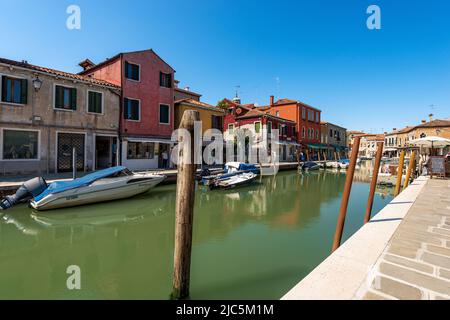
{"x":165,"y":158}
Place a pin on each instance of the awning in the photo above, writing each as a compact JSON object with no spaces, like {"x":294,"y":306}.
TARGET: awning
{"x":154,"y":140}
{"x":316,"y":146}
{"x":289,"y":143}
{"x":390,"y":149}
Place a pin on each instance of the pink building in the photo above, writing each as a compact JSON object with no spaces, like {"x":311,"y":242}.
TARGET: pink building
{"x":147,"y":102}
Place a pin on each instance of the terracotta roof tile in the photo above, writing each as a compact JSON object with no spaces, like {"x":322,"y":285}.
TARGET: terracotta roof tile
{"x":69,"y":75}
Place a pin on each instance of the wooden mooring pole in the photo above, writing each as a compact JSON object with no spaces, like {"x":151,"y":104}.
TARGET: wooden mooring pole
{"x":412,"y":161}
{"x":399,"y":173}
{"x":184,"y":212}
{"x":373,"y":185}
{"x":346,"y":194}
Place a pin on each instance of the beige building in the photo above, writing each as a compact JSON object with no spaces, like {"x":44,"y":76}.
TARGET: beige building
{"x":45,"y":113}
{"x":368,"y":145}
{"x":335,"y":138}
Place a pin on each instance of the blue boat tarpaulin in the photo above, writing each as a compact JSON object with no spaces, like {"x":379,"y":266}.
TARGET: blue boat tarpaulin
{"x":61,"y":186}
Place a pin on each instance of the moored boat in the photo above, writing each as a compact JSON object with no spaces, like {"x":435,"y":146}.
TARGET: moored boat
{"x":236,"y":180}
{"x":100,"y":186}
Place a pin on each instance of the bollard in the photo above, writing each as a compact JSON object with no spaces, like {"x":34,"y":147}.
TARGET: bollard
{"x":346,"y":195}
{"x":399,"y":174}
{"x":184,"y":213}
{"x":373,"y":185}
{"x":410,"y":169}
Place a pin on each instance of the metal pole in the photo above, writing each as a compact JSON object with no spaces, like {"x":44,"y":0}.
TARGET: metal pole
{"x":410,"y":169}
{"x":346,"y":195}
{"x":74,"y":163}
{"x":373,"y":185}
{"x":399,"y":173}
{"x":184,"y":210}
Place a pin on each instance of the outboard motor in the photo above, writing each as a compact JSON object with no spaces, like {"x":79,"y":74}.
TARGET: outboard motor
{"x":27,"y":191}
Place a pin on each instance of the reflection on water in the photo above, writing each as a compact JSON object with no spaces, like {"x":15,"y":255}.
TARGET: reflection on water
{"x":253,"y":242}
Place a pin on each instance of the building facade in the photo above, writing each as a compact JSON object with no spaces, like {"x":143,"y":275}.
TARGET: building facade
{"x":334,"y":137}
{"x":46,"y":113}
{"x":369,"y":145}
{"x":259,"y":122}
{"x":147,"y":100}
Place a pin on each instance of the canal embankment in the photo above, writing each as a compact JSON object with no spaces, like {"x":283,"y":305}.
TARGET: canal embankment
{"x":10,"y":184}
{"x":402,"y":253}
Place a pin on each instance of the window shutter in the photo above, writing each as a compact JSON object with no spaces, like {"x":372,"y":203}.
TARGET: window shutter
{"x":125,"y":108}
{"x":73,"y":98}
{"x":24,"y":91}
{"x":127,"y":70}
{"x":3,"y":88}
{"x":59,"y":98}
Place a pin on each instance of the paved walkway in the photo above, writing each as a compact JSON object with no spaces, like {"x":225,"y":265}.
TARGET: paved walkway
{"x":416,"y":263}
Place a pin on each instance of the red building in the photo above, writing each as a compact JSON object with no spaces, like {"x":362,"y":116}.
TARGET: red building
{"x":147,"y":102}
{"x":257,"y":121}
{"x":306,"y":117}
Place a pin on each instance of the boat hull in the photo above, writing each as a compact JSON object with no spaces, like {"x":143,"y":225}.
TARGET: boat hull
{"x":97,"y":192}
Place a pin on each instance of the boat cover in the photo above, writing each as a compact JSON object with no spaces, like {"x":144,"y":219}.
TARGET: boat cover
{"x":61,"y":186}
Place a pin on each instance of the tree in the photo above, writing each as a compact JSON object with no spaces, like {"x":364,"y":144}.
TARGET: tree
{"x":223,"y":104}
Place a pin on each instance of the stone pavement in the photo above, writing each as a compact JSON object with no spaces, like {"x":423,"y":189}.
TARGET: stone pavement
{"x":416,"y":262}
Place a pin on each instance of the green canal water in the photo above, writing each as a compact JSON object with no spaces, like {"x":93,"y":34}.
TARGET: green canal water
{"x":255,"y":242}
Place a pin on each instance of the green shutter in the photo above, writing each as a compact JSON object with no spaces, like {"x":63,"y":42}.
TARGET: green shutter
{"x":24,"y":91}
{"x":3,"y":88}
{"x":59,"y":97}
{"x":125,"y":108}
{"x":73,"y":99}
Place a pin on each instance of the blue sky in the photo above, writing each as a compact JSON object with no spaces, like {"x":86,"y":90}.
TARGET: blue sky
{"x":319,"y":52}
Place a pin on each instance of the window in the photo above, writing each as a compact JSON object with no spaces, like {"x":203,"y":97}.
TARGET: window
{"x":132,"y":110}
{"x":95,"y":102}
{"x":317,"y":134}
{"x":165,"y":80}
{"x":303,"y":132}
{"x":141,"y":150}
{"x":231,"y":128}
{"x":277,"y":113}
{"x":21,"y":145}
{"x":317,"y":117}
{"x":331,"y":133}
{"x":164,"y":114}
{"x":216,"y":122}
{"x":258,"y":127}
{"x":304,"y":113}
{"x":65,"y":98}
{"x":14,"y":90}
{"x":269,"y":127}
{"x":132,"y":71}
{"x":294,"y":133}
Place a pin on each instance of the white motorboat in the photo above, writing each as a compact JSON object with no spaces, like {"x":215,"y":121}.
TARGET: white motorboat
{"x":100,"y":186}
{"x":233,"y":181}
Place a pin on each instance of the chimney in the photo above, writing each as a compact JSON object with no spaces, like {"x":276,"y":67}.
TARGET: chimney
{"x":176,"y":82}
{"x":272,"y":100}
{"x":395,"y":129}
{"x":431,"y":117}
{"x":187,"y":88}
{"x":424,"y":121}
{"x":86,"y":64}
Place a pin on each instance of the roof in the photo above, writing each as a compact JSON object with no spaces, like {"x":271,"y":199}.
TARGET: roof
{"x":199,"y":104}
{"x":332,"y":124}
{"x":188,"y":92}
{"x":374,"y":137}
{"x":434,"y":123}
{"x":253,"y":113}
{"x":58,"y":73}
{"x":115,"y":57}
{"x":284,"y":101}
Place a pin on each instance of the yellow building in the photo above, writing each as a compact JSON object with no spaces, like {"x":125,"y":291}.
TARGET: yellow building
{"x":210,"y":116}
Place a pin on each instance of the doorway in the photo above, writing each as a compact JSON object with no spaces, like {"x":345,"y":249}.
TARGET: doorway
{"x":105,"y":152}
{"x":66,"y":143}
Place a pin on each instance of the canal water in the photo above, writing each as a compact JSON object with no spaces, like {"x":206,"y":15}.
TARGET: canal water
{"x":255,"y":242}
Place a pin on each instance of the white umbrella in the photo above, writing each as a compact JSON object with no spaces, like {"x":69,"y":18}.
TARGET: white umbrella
{"x":431,"y":142}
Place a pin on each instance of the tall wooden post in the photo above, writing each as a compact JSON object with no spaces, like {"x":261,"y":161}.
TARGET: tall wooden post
{"x":184,"y":213}
{"x":399,"y":173}
{"x":373,"y":185}
{"x":346,"y":195}
{"x":410,"y":169}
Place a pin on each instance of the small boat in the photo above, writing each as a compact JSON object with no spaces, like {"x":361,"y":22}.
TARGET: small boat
{"x":100,"y":186}
{"x":233,"y":181}
{"x":344,"y":164}
{"x":310,"y":166}
{"x":231,"y":169}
